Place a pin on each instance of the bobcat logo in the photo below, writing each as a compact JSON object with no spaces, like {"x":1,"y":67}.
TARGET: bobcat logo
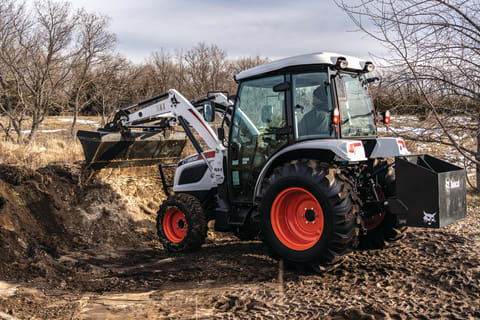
{"x":429,"y":218}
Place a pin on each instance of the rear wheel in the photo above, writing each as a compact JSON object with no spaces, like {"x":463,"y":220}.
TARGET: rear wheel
{"x":382,"y":227}
{"x":308,"y":216}
{"x":181,"y":223}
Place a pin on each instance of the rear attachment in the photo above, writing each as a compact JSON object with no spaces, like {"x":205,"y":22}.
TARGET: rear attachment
{"x":105,"y":149}
{"x":431,"y":193}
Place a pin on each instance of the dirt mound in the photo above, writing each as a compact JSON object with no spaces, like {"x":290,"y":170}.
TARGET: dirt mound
{"x":48,"y":212}
{"x":87,"y":255}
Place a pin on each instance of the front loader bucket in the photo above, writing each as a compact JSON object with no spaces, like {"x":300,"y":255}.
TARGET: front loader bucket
{"x":104,"y":149}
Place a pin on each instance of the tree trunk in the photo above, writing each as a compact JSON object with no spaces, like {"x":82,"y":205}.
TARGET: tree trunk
{"x":74,"y":121}
{"x":103,"y":122}
{"x":17,"y":126}
{"x":478,"y":154}
{"x":76,"y":108}
{"x":33,"y":132}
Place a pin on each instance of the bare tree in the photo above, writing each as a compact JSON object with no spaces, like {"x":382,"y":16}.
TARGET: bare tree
{"x":111,"y":78}
{"x":206,"y":68}
{"x":434,"y":45}
{"x":238,"y":65}
{"x":162,"y":71}
{"x":93,"y":40}
{"x":13,"y":22}
{"x":33,"y":54}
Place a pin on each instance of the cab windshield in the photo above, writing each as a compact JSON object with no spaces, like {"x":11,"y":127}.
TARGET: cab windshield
{"x":357,"y":113}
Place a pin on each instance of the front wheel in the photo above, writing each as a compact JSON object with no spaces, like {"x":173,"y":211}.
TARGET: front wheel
{"x":308,"y":216}
{"x":181,"y":223}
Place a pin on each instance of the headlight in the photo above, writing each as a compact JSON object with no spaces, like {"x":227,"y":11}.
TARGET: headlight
{"x":342,"y":63}
{"x":369,"y":67}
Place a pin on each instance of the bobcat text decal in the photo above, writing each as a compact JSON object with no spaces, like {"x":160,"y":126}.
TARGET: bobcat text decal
{"x":451,"y":184}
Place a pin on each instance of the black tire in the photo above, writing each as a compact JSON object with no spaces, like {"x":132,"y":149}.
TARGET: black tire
{"x":333,"y":193}
{"x":195,"y":223}
{"x":389,"y":230}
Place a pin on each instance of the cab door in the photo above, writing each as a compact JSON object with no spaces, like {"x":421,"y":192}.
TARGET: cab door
{"x":259,"y":113}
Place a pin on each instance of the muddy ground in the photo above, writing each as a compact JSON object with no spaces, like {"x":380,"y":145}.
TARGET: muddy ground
{"x":71,"y":251}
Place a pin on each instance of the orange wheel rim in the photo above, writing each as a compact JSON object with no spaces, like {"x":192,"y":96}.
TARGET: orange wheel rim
{"x":297,"y":218}
{"x":175,"y":225}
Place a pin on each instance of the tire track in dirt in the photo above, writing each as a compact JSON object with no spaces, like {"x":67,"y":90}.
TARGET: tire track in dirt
{"x":99,"y":265}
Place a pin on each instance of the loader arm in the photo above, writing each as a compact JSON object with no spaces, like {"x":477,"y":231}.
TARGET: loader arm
{"x":174,"y":105}
{"x":137,"y":135}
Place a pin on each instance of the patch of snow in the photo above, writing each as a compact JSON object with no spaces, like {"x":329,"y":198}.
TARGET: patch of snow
{"x":464,"y":120}
{"x":42,"y":149}
{"x":82,"y":121}
{"x":44,"y":131}
{"x":404,"y":118}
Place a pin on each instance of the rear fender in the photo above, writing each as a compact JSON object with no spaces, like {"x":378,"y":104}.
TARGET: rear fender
{"x":389,"y":148}
{"x":323,"y":150}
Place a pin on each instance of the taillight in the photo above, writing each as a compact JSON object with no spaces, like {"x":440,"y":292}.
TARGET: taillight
{"x":386,"y":118}
{"x":336,"y":116}
{"x":352,"y":146}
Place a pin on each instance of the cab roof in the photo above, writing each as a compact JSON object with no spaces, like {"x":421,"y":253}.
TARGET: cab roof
{"x":327,"y":58}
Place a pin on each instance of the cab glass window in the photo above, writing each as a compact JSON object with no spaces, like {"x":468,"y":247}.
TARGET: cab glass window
{"x":259,"y":113}
{"x":312,"y":104}
{"x":356,"y":107}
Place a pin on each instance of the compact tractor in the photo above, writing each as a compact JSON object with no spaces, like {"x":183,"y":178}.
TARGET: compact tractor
{"x":301,"y":168}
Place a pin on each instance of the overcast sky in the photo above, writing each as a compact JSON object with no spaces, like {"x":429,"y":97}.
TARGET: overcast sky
{"x":268,"y":28}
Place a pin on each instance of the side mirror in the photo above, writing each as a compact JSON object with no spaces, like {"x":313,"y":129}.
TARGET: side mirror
{"x":267,"y":113}
{"x":209,"y":111}
{"x":284,"y":86}
{"x":232,"y":97}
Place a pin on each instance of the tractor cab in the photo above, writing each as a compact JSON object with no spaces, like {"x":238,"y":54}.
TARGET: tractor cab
{"x":308,"y":98}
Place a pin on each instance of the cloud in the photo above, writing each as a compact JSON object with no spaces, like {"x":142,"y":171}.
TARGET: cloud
{"x":272,"y":28}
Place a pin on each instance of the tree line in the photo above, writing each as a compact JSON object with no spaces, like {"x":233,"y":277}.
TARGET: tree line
{"x":57,"y":60}
{"x":54,"y":59}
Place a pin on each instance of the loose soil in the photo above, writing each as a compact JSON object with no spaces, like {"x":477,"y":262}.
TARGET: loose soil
{"x":72,"y":250}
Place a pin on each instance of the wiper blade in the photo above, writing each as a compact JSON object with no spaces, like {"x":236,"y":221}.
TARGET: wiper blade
{"x":357,"y":116}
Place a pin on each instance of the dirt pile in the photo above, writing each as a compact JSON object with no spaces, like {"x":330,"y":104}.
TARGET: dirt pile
{"x":48,"y":212}
{"x":90,"y":252}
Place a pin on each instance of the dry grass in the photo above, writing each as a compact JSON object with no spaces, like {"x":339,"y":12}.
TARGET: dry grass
{"x":43,"y":151}
{"x":48,"y":147}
